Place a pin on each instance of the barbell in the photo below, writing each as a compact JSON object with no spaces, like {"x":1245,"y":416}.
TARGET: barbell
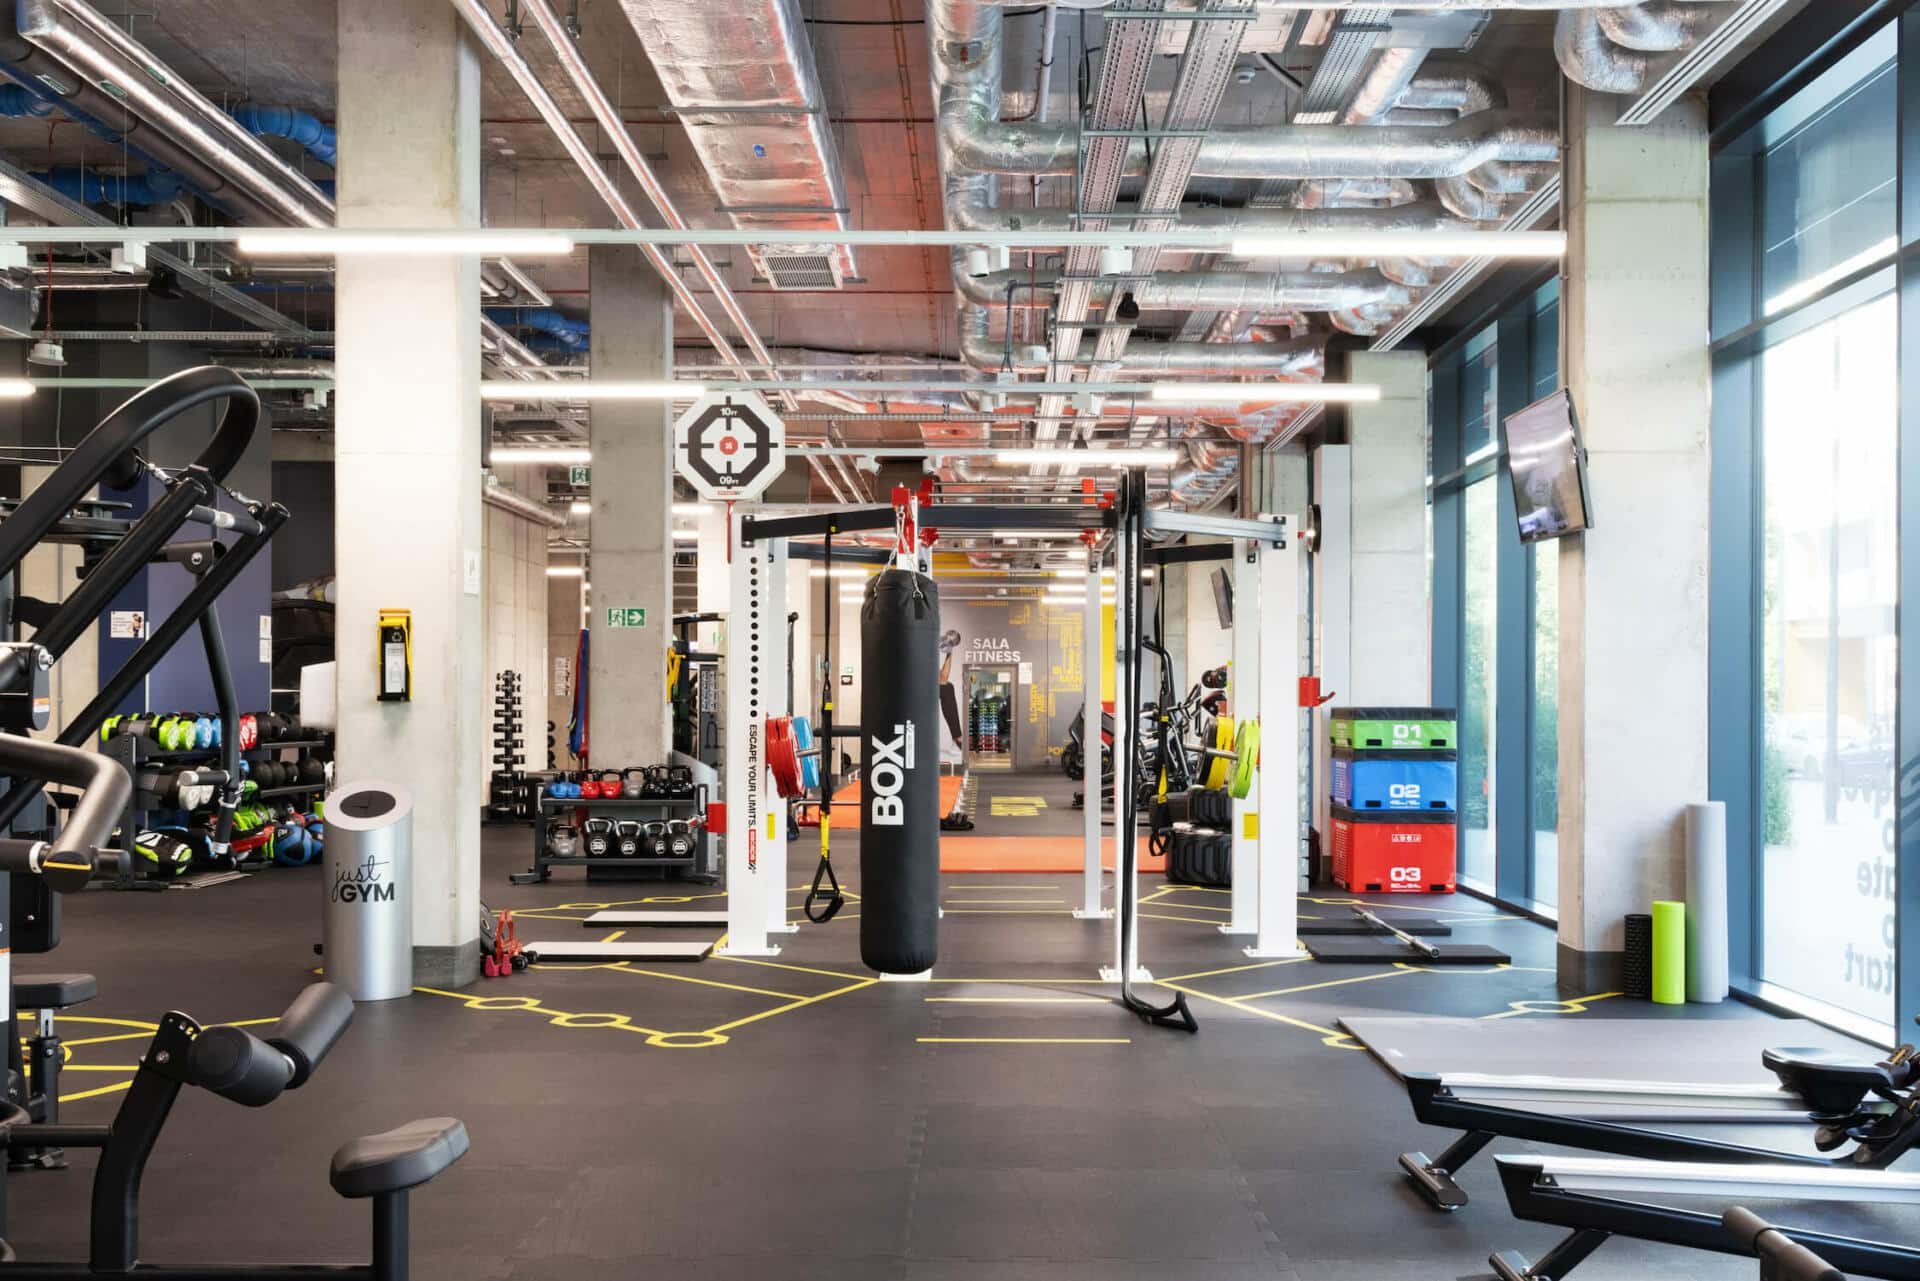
{"x":1233,"y":757}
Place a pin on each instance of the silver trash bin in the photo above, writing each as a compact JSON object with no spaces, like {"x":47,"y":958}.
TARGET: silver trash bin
{"x":367,"y":936}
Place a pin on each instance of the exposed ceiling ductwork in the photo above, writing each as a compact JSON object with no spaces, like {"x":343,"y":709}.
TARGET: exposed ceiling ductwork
{"x":742,"y":81}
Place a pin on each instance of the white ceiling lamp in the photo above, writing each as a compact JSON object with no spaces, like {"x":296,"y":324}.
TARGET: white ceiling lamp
{"x":1090,"y":457}
{"x":1403,"y":244}
{"x":979,"y":262}
{"x":1248,"y":393}
{"x":589,"y":390}
{"x":1116,"y":260}
{"x":346,"y":242}
{"x":511,"y":457}
{"x":566,"y":571}
{"x":47,"y":352}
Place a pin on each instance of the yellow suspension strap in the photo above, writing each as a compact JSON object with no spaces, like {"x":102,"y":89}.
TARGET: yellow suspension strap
{"x":824,"y":898}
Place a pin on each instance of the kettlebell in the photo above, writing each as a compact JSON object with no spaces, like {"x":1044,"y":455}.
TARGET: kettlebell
{"x":679,"y":839}
{"x":599,"y":836}
{"x":633,"y":783}
{"x":563,"y":840}
{"x":656,"y":839}
{"x":628,"y":833}
{"x":590,"y":790}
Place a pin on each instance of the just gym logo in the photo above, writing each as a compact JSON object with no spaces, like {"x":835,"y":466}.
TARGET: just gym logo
{"x":892,"y":758}
{"x":364,"y":882}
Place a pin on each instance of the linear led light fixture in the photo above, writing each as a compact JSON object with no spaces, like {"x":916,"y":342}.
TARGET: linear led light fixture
{"x":1245,"y":393}
{"x":1403,"y":244}
{"x":692,"y":509}
{"x":592,"y":391}
{"x":15,"y":389}
{"x":511,"y":456}
{"x":1090,"y":457}
{"x":581,"y":509}
{"x":840,"y":573}
{"x":566,"y":571}
{"x":346,"y":242}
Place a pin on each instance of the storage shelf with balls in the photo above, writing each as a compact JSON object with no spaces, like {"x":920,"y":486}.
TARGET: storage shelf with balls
{"x":548,"y":815}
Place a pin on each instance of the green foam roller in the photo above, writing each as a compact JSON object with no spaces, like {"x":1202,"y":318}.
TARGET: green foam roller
{"x":1669,"y":953}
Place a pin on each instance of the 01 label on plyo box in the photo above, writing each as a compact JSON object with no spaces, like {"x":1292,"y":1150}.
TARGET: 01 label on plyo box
{"x":626,"y":616}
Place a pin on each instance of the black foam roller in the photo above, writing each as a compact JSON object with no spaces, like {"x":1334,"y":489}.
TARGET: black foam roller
{"x":900,"y":773}
{"x":1638,"y":971}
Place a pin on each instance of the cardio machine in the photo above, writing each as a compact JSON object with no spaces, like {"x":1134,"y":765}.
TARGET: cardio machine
{"x":231,"y":1062}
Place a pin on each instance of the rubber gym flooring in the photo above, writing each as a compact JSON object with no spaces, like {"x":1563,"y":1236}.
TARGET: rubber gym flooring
{"x":797,"y":1119}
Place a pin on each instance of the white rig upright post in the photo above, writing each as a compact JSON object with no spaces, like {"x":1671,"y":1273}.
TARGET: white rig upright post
{"x":1126,"y":932}
{"x":756,"y":832}
{"x":1244,"y":701}
{"x":1094,"y":657}
{"x":771,"y":631}
{"x":1278,"y":787}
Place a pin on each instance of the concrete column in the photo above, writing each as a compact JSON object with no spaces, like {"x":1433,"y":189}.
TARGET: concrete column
{"x":632,"y":550}
{"x":407,"y":450}
{"x":563,"y":643}
{"x":1633,"y":591}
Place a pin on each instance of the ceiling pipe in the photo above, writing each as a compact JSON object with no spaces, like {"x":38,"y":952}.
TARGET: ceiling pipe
{"x":1197,"y":290}
{"x":494,"y":494}
{"x":981,"y":352}
{"x":92,"y":46}
{"x":1657,"y":26}
{"x":1385,"y":82}
{"x":1592,"y":60}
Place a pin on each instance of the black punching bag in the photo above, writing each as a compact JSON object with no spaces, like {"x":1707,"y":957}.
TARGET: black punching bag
{"x":900,"y":773}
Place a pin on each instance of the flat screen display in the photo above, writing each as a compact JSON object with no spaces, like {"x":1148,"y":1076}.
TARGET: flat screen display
{"x":1549,"y":469}
{"x":1223,"y":598}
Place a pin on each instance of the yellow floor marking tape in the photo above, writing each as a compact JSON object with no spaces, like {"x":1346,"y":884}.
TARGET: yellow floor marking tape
{"x":1024,"y":1040}
{"x":614,"y":937}
{"x":99,"y":1067}
{"x":1573,"y":1005}
{"x":1328,"y":1036}
{"x":789,"y":1008}
{"x":94,"y":1094}
{"x":627,"y":967}
{"x":997,"y":887}
{"x":1029,"y":901}
{"x":1017,"y":1000}
{"x":781,"y":965}
{"x":1012,"y":982}
{"x":1004,"y":911}
{"x":1191,"y":920}
{"x":1238,"y":969}
{"x":1193,"y":907}
{"x":558,"y":1018}
{"x":1314,"y":987}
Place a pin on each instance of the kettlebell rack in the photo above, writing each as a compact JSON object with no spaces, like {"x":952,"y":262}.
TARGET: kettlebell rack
{"x":551,"y":811}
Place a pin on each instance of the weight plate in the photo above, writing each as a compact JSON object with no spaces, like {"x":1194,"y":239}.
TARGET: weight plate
{"x":1218,"y":767}
{"x":1246,"y":756}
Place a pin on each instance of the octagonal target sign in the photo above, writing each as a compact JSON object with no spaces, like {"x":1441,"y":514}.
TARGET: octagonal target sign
{"x":729,"y":445}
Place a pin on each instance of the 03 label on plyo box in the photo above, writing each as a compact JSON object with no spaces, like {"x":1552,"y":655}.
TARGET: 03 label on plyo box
{"x":626,"y":616}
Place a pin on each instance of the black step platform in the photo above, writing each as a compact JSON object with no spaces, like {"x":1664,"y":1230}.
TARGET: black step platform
{"x":1380,"y":949}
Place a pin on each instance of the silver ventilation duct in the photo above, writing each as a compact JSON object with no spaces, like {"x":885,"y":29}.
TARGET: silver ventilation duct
{"x":1187,"y":291}
{"x":749,"y":62}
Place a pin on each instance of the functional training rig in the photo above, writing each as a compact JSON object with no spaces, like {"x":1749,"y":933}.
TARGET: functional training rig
{"x":1264,"y":553}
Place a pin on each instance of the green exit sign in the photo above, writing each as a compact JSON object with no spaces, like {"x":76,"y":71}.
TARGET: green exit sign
{"x":626,"y":616}
{"x":579,"y":475}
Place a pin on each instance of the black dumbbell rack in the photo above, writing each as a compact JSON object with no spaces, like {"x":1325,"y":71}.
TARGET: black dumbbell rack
{"x":509,"y":797}
{"x":550,"y":809}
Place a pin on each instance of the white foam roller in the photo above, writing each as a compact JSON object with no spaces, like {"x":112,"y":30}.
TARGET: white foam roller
{"x":1707,"y":902}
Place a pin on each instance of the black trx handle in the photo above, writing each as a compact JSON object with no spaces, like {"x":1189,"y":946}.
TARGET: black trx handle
{"x":835,"y":900}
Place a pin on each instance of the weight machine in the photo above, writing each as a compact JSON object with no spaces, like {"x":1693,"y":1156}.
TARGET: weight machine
{"x":1265,"y":553}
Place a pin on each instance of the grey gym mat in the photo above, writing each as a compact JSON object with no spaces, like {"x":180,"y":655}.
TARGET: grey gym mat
{"x":1711,"y":1051}
{"x":1424,"y":929}
{"x":708,"y":919}
{"x":619,"y":950}
{"x":1385,"y":947}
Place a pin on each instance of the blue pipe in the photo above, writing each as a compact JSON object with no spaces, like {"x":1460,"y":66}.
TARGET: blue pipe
{"x":15,"y":100}
{"x":292,"y":123}
{"x":569,"y":334}
{"x":89,"y":187}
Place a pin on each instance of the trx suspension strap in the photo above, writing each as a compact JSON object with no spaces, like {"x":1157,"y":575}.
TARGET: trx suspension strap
{"x":1126,"y":658}
{"x":824,"y":898}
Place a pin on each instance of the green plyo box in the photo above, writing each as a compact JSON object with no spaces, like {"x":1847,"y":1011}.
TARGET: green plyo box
{"x":1424,"y":729}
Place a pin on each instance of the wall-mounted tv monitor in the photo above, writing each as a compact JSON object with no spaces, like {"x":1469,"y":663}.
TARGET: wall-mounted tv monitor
{"x":1223,"y":598}
{"x":1549,"y":469}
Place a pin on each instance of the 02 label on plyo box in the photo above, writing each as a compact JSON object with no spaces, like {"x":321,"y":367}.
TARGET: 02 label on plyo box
{"x":626,"y":616}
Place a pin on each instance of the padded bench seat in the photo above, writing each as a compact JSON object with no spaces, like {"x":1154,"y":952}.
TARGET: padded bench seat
{"x":53,"y":991}
{"x":399,"y":1159}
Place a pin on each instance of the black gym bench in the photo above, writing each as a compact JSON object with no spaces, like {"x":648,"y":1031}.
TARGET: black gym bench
{"x":45,"y":995}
